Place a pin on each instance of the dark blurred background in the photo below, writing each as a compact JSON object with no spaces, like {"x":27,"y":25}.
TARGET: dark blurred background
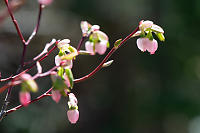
{"x":139,"y":93}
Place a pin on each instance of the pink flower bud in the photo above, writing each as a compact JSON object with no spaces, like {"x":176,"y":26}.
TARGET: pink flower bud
{"x":45,"y":2}
{"x":84,"y":27}
{"x":28,"y":83}
{"x":24,"y":98}
{"x":145,"y":44}
{"x":101,"y":47}
{"x":73,"y":115}
{"x":56,"y":95}
{"x":89,"y":47}
{"x":26,"y":77}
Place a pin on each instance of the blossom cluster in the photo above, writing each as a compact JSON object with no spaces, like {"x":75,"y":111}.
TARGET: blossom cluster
{"x":146,"y":42}
{"x":98,"y":42}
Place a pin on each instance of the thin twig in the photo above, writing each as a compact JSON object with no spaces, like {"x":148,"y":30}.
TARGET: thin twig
{"x":25,"y":44}
{"x":38,"y":98}
{"x":15,"y":76}
{"x":81,"y":43}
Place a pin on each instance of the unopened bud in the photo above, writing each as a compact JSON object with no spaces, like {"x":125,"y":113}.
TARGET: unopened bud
{"x":56,"y":95}
{"x":28,"y":83}
{"x":24,"y":98}
{"x":73,"y":115}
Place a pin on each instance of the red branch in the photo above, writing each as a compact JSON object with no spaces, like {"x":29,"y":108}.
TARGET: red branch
{"x":38,"y":98}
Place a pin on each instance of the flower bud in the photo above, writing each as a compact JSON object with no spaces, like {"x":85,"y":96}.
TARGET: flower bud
{"x":73,"y":115}
{"x":56,"y":95}
{"x":72,"y":101}
{"x":24,"y":98}
{"x":85,"y":27}
{"x":28,"y":83}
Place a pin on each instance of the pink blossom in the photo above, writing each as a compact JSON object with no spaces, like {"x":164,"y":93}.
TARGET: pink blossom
{"x":63,"y":44}
{"x":101,"y":35}
{"x":24,"y":98}
{"x":89,"y":46}
{"x":101,"y":47}
{"x":73,"y":115}
{"x":99,"y":44}
{"x":45,"y":2}
{"x":145,"y":44}
{"x":56,"y":95}
{"x":84,"y":27}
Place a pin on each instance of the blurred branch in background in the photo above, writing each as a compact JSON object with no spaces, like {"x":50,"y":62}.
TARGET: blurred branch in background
{"x":15,"y":5}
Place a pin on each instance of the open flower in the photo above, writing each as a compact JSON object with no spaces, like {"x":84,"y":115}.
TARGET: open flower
{"x":147,"y":41}
{"x":65,"y":63}
{"x":98,"y":43}
{"x":144,"y":44}
{"x":24,"y":97}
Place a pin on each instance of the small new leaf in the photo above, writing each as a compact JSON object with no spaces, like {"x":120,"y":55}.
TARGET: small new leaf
{"x":39,"y":67}
{"x":108,"y":63}
{"x":116,"y":44}
{"x":160,"y":36}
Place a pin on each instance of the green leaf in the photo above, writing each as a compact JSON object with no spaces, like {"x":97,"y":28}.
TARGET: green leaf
{"x":61,"y":72}
{"x":70,"y":76}
{"x":60,"y":53}
{"x":149,"y":35}
{"x":160,"y":36}
{"x":29,"y":85}
{"x":108,"y":44}
{"x":59,"y":84}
